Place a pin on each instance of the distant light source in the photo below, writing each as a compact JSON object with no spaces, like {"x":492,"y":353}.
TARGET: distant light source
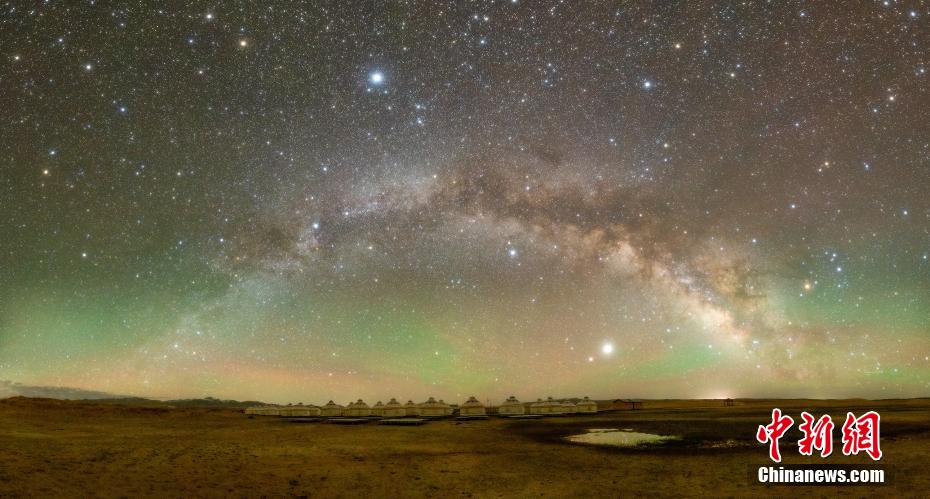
{"x":376,"y":78}
{"x":607,"y":348}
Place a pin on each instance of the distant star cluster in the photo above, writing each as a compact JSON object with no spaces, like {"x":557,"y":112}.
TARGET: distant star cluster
{"x":335,"y":200}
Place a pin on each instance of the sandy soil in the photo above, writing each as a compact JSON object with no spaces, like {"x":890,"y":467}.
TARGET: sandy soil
{"x":56,"y":448}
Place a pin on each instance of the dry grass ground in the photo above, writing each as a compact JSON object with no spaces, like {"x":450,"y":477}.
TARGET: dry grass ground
{"x":54,"y":448}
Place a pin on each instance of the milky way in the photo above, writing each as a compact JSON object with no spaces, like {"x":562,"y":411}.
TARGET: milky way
{"x":332,"y":201}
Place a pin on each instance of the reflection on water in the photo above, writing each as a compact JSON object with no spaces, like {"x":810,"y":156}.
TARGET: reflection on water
{"x":615,"y":437}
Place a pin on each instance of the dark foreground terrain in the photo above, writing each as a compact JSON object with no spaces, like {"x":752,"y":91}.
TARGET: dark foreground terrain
{"x":60,"y":448}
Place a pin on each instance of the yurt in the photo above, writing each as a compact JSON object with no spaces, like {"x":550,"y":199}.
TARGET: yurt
{"x":555,"y":407}
{"x":358,"y":409}
{"x":472,"y":407}
{"x":433,"y":409}
{"x":290,"y":410}
{"x":271,"y":411}
{"x":449,"y":410}
{"x":511,"y":407}
{"x":548,"y":406}
{"x":331,"y":409}
{"x":264,"y":410}
{"x":378,"y":409}
{"x":393,"y":409}
{"x":537,"y":407}
{"x":586,"y":406}
{"x":300,"y":410}
{"x":411,"y":409}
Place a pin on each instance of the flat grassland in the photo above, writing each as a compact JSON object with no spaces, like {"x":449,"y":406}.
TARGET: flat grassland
{"x":61,"y":448}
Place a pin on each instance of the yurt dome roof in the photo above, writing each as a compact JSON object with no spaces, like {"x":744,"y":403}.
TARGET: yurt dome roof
{"x":472,"y":402}
{"x":432,"y":402}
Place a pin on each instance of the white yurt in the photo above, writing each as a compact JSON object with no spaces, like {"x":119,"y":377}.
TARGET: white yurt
{"x":433,"y":409}
{"x":586,"y":406}
{"x":357,"y":409}
{"x":511,"y":407}
{"x":548,"y":406}
{"x":472,"y":407}
{"x":331,"y":409}
{"x":449,"y":409}
{"x":411,"y":409}
{"x":300,"y":410}
{"x":393,"y":409}
{"x":271,"y":411}
{"x":537,"y":407}
{"x":290,"y":410}
{"x":555,"y":407}
{"x":378,"y":409}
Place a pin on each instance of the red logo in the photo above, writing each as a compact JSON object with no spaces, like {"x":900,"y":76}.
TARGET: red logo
{"x":859,"y":434}
{"x":817,"y":435}
{"x":862,"y":434}
{"x":774,"y":431}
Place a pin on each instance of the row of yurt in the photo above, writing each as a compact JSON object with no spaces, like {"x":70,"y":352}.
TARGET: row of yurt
{"x":431,"y":408}
{"x":548,"y":406}
{"x":299,"y":411}
{"x":586,"y":406}
{"x":265,"y":410}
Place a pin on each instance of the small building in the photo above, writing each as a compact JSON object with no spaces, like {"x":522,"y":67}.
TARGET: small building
{"x":299,"y":411}
{"x":511,"y":407}
{"x":263,"y":410}
{"x":378,"y":409}
{"x":271,"y":411}
{"x":586,"y":406}
{"x":472,"y":407}
{"x":411,"y":409}
{"x":433,"y":409}
{"x":569,"y":407}
{"x":449,"y":409}
{"x":331,"y":409}
{"x":393,"y":409}
{"x":357,"y":409}
{"x":548,"y":406}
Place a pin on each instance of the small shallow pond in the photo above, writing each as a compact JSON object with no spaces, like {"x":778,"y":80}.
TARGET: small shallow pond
{"x":618,"y":438}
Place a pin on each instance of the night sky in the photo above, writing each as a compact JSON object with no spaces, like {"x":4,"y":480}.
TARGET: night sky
{"x":332,"y":201}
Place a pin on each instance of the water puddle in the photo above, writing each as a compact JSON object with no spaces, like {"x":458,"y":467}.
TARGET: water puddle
{"x":618,"y":438}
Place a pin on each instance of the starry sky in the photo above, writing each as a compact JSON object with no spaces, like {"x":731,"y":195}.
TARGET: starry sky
{"x":401,"y":199}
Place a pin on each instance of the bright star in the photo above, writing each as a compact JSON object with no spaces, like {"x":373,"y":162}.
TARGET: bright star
{"x":607,"y":348}
{"x":376,"y":78}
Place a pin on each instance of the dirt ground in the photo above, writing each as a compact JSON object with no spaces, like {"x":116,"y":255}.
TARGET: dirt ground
{"x":57,"y":448}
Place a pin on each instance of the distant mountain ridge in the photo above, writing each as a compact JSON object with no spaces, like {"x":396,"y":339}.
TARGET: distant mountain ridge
{"x":10,"y":389}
